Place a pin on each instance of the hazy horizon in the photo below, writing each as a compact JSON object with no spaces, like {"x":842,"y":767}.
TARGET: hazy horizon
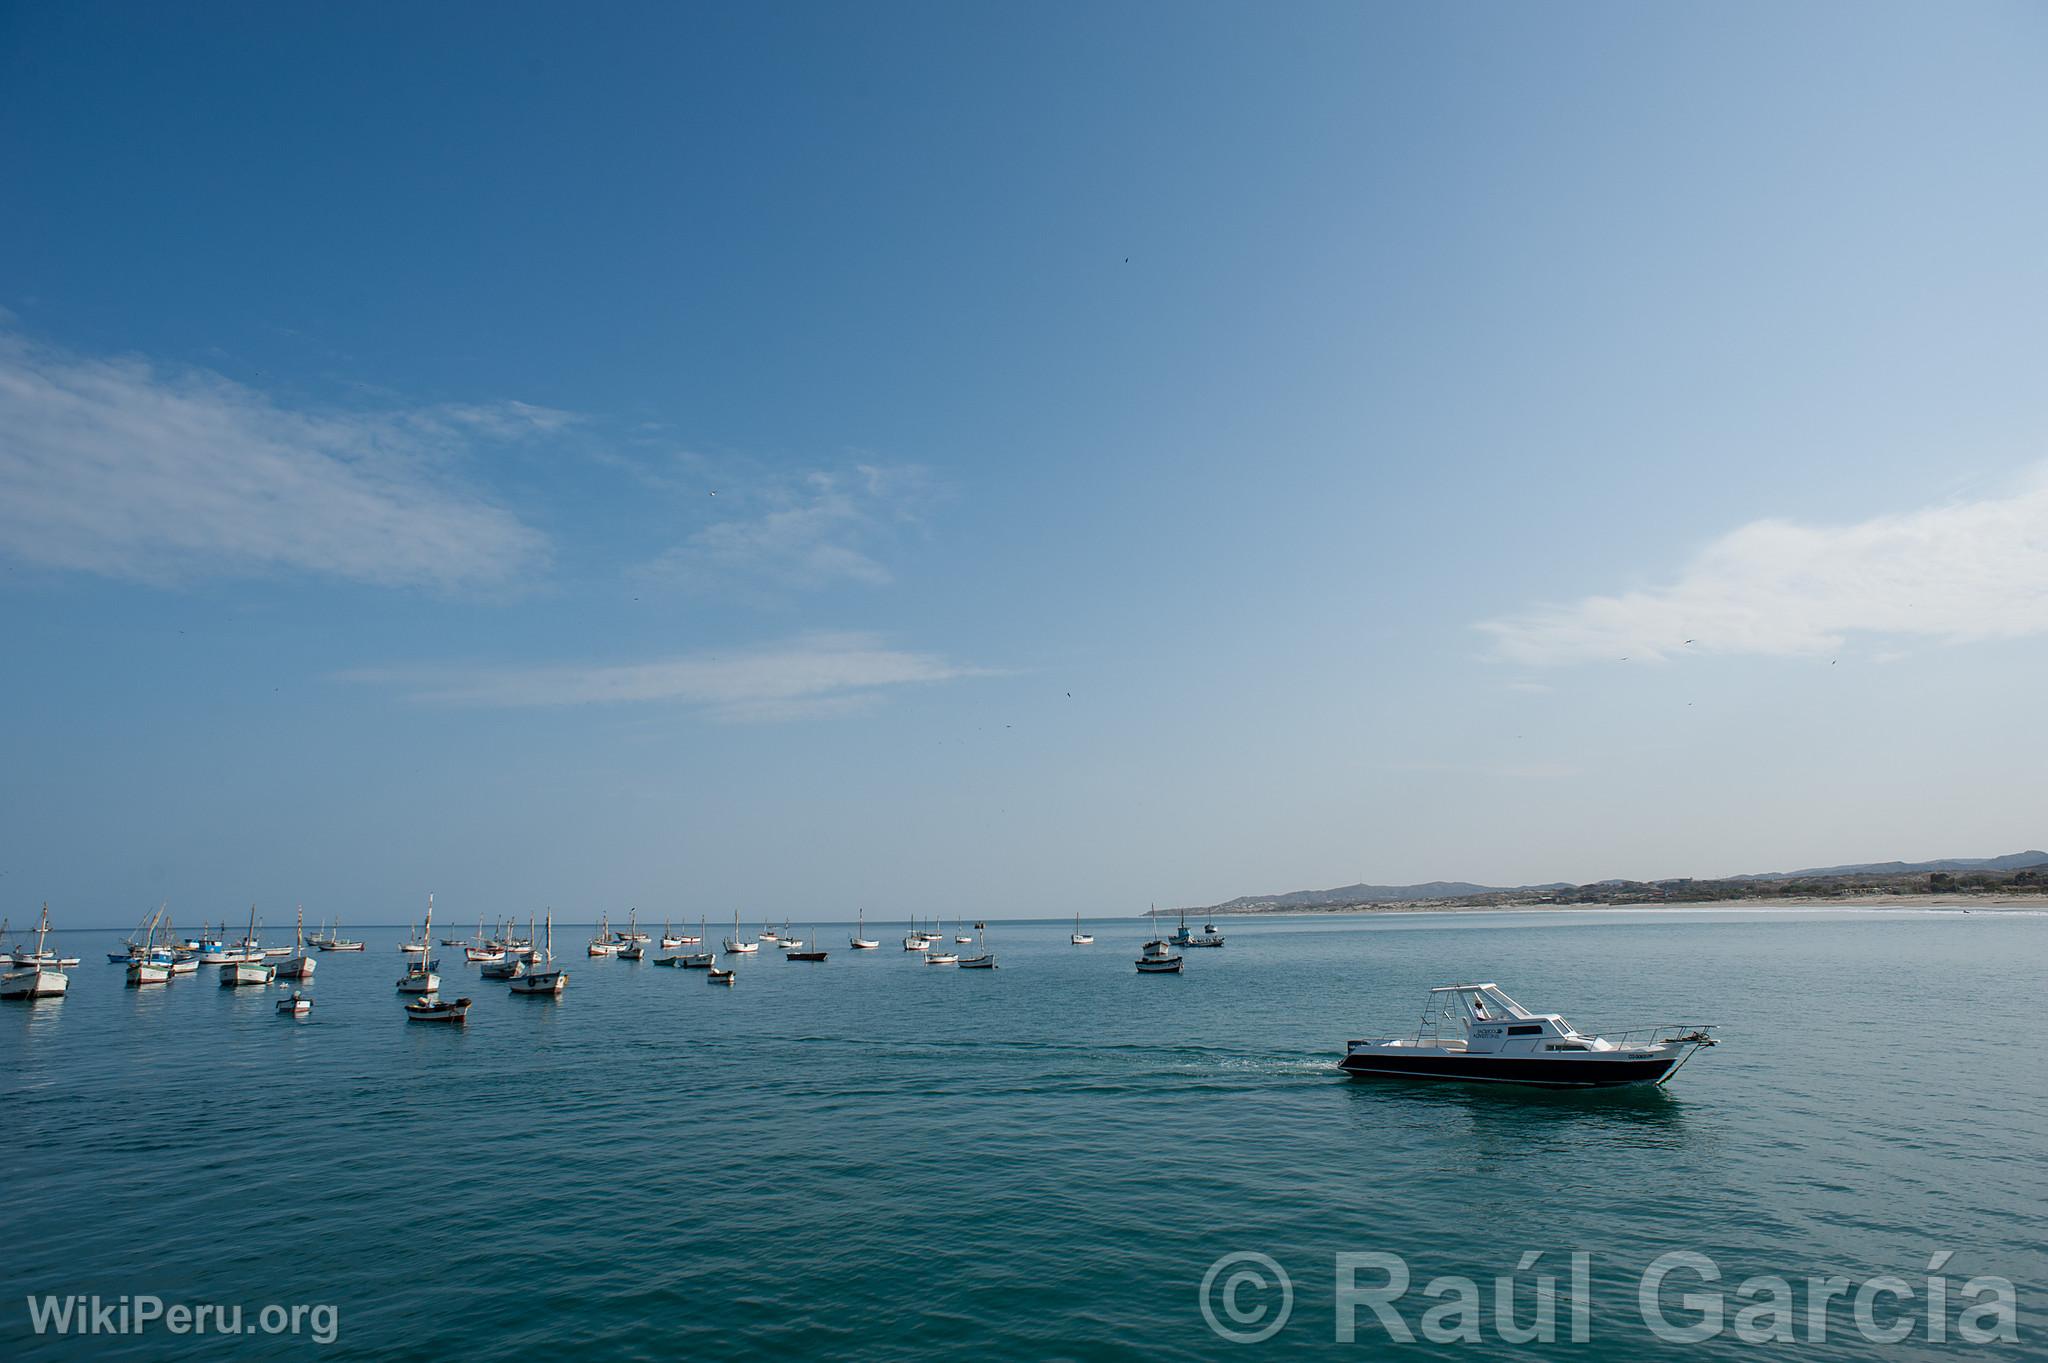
{"x":1002,"y":458}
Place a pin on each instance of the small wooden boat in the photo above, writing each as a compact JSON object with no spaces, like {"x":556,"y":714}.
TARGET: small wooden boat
{"x":38,"y":981}
{"x":736,"y":946}
{"x":799,"y":954}
{"x":419,"y":976}
{"x":632,"y":932}
{"x":941,"y":958}
{"x":298,"y":962}
{"x":669,"y":940}
{"x":504,"y":968}
{"x":983,"y":959}
{"x":334,"y":941}
{"x":1157,"y":958}
{"x":717,"y":976}
{"x":236,"y":974}
{"x":298,"y":1005}
{"x":433,"y":1008}
{"x":545,"y":977}
{"x":605,"y":943}
{"x":860,"y":941}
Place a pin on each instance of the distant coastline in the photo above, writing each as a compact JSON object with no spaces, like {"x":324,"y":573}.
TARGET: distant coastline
{"x":1981,"y":902}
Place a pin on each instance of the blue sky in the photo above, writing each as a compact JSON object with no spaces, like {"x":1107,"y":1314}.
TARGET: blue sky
{"x":1160,"y":453}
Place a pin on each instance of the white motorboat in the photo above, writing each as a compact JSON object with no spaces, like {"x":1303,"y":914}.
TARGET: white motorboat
{"x":297,"y":1005}
{"x":1080,"y":938}
{"x":299,"y":964}
{"x":1157,"y":957}
{"x":1475,"y":1032}
{"x":420,"y":976}
{"x":544,"y":976}
{"x":38,"y":981}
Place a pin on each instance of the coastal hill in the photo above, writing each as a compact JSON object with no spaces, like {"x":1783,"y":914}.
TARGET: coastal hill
{"x":2024,"y":872}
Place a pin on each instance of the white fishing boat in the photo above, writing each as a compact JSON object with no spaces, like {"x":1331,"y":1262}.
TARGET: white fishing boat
{"x":1080,"y":938}
{"x":767,"y":933}
{"x":334,"y":941}
{"x":736,"y":945}
{"x":1181,"y":935}
{"x":420,"y":976}
{"x":39,"y":981}
{"x":1157,"y":957}
{"x":860,"y":941}
{"x":544,"y":976}
{"x":296,"y":1005}
{"x":483,"y":955}
{"x":632,"y":932}
{"x":941,"y":958}
{"x":1477,"y":1033}
{"x":633,"y":951}
{"x":436,"y":1009}
{"x":299,"y":964}
{"x":916,"y":939}
{"x":983,"y":958}
{"x":151,"y":962}
{"x":507,"y":967}
{"x":698,"y":960}
{"x":604,"y":944}
{"x":669,"y":940}
{"x":244,"y":964}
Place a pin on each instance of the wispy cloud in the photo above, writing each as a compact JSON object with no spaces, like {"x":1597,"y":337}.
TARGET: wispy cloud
{"x":808,"y":677}
{"x":158,"y":473}
{"x":1955,"y":573}
{"x":795,"y":532}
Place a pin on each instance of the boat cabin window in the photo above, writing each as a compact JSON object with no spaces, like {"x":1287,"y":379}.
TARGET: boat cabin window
{"x":1525,"y":1031}
{"x":1566,"y":1046}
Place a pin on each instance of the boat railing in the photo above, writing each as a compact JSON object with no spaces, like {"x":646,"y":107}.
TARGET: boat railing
{"x":1656,"y":1033}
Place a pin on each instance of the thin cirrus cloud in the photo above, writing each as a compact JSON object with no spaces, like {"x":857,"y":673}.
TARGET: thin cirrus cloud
{"x":1955,"y":573}
{"x":159,"y":474}
{"x":811,"y":676}
{"x":781,"y":533}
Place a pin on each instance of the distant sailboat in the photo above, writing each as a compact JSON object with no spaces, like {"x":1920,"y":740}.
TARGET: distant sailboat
{"x":1080,"y":938}
{"x":983,"y":959}
{"x":737,"y":946}
{"x":860,"y":941}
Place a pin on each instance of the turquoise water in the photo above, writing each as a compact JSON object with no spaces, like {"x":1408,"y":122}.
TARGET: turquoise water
{"x":879,"y":1159}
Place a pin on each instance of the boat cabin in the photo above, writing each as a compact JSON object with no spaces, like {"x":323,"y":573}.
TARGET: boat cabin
{"x":1480,"y":1019}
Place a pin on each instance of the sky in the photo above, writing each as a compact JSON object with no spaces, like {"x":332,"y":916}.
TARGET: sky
{"x":1010,"y":459}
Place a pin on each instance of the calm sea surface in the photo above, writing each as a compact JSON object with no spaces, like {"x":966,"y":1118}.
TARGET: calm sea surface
{"x":875,"y":1158}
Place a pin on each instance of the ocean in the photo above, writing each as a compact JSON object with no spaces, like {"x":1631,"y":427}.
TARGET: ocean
{"x":873,"y":1158}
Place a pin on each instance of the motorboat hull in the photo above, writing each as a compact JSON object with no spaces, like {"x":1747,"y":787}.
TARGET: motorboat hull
{"x":1593,"y":1071}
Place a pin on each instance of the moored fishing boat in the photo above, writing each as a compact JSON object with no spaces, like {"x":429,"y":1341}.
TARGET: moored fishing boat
{"x":433,"y":1008}
{"x":699,"y":960}
{"x":605,"y":943}
{"x":798,"y":952}
{"x":983,"y":958}
{"x":717,"y":976}
{"x":420,"y":976}
{"x":38,"y":981}
{"x":334,"y":941}
{"x":543,"y":976}
{"x":1080,"y":938}
{"x":1157,"y":957}
{"x":244,"y":964}
{"x":299,"y":964}
{"x":736,"y":945}
{"x":860,"y":941}
{"x":1476,"y":1033}
{"x":297,"y":1005}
